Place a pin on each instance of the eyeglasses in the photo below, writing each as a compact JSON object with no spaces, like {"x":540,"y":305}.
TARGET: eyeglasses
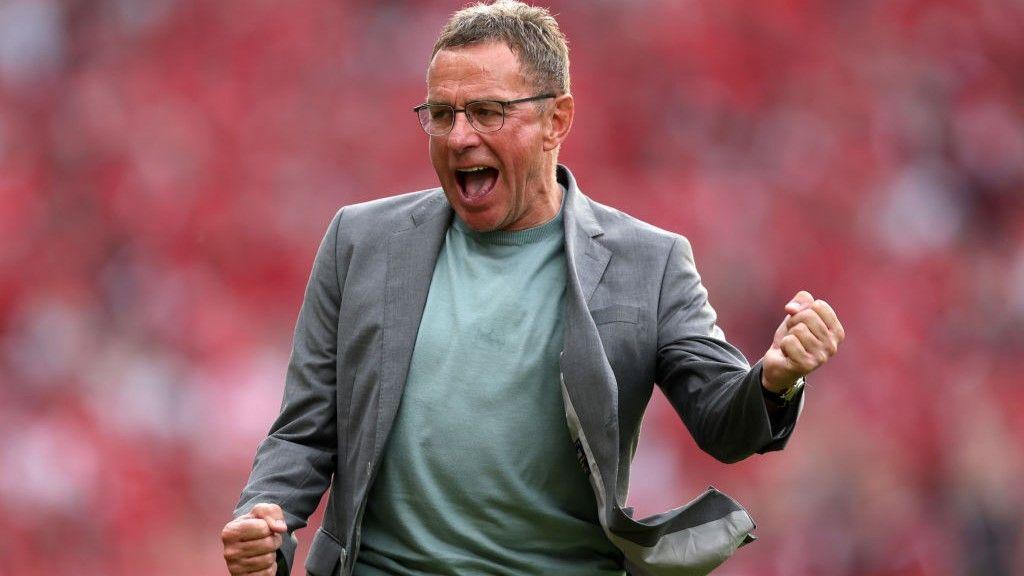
{"x":483,"y":115}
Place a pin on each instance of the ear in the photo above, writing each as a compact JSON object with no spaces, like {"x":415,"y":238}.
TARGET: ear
{"x":559,"y":121}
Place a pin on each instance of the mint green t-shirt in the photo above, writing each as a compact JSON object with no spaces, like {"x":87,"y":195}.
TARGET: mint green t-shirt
{"x":479,"y":475}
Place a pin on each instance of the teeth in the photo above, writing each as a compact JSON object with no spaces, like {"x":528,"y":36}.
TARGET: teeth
{"x":473,"y":169}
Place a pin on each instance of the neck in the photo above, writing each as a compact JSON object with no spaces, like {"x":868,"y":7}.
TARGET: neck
{"x":546,"y":203}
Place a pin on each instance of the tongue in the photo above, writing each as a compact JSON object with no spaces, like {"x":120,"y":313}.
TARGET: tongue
{"x":480,"y":182}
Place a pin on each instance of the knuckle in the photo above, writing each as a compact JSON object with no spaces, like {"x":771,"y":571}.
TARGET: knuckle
{"x":269,"y":543}
{"x":232,"y":535}
{"x":821,"y":308}
{"x":254,"y":535}
{"x":261,"y":562}
{"x":248,"y":549}
{"x":261,"y":546}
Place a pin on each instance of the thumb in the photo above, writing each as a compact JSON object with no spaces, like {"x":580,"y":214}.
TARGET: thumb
{"x":802,"y":300}
{"x":273,"y":514}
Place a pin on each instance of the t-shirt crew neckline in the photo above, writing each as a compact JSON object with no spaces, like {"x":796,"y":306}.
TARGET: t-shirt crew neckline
{"x":516,"y":237}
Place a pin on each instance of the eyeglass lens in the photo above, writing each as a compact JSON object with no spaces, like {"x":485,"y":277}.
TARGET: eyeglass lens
{"x":484,"y":116}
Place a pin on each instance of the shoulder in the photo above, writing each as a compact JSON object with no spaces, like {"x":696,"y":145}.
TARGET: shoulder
{"x":620,"y":230}
{"x":384,"y":216}
{"x":393,"y":210}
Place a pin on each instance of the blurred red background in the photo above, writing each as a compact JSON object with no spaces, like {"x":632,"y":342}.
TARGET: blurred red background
{"x":167,"y":169}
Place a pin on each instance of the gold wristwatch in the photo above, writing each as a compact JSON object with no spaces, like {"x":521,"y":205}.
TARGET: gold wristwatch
{"x":795,"y":389}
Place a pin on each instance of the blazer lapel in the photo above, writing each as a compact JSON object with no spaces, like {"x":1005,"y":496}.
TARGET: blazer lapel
{"x":587,"y":256}
{"x":411,"y":255}
{"x":588,"y":377}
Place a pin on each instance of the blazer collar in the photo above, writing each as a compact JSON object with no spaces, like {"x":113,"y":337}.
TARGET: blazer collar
{"x":577,"y":205}
{"x":587,"y":257}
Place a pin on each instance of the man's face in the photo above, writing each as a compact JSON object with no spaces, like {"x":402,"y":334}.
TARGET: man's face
{"x":510,"y":193}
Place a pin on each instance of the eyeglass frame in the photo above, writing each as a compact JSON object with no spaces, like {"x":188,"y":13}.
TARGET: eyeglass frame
{"x":503,"y":103}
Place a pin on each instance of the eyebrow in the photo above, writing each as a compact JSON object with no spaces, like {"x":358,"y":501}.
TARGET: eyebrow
{"x":484,"y":98}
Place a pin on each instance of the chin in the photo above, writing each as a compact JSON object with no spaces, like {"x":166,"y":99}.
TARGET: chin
{"x":481,"y":222}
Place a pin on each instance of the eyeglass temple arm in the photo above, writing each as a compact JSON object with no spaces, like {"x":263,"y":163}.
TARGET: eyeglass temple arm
{"x":502,"y":102}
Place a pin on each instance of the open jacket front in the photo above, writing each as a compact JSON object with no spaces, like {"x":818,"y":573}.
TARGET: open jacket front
{"x":636,"y":314}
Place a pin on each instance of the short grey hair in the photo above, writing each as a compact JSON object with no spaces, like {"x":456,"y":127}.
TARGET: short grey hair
{"x":531,"y":33}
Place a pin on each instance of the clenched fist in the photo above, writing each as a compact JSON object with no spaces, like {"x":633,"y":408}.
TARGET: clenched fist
{"x":251,"y":541}
{"x":806,"y":339}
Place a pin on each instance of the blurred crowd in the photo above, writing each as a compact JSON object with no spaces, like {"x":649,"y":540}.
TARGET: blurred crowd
{"x":167,"y":169}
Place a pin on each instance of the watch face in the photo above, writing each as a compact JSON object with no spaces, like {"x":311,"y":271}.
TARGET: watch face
{"x":788,"y":395}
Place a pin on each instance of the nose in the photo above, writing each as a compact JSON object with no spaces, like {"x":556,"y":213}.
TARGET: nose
{"x":462,"y":135}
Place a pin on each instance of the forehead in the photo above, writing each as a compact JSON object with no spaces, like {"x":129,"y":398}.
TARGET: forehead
{"x":476,"y":71}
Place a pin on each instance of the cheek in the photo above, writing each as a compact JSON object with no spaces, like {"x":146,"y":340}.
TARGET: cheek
{"x":438,"y":147}
{"x":522,"y":152}
{"x":434,"y":149}
{"x":521,"y":171}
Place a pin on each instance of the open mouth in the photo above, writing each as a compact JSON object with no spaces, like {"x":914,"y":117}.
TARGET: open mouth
{"x":476,"y":182}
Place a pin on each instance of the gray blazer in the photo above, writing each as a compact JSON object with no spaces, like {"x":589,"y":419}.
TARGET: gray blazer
{"x":636,"y":314}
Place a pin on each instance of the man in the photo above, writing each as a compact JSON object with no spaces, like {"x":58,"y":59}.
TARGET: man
{"x":471,"y":363}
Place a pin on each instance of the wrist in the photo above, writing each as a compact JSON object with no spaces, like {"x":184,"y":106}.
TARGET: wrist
{"x":776,"y":379}
{"x":786,"y":394}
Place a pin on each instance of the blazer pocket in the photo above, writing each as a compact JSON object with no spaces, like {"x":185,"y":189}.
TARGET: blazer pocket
{"x":325,"y":554}
{"x":616,"y":313}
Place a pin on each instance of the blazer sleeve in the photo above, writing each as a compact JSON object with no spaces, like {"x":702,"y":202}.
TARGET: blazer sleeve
{"x":707,"y":380}
{"x":294,"y":463}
